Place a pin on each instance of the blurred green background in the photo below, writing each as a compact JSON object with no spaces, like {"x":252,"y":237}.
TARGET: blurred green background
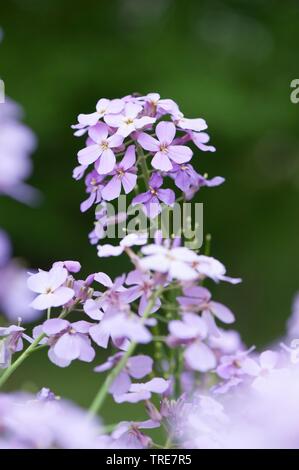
{"x":230,"y":62}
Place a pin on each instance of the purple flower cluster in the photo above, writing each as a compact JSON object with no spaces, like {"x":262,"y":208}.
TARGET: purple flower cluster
{"x":157,"y":132}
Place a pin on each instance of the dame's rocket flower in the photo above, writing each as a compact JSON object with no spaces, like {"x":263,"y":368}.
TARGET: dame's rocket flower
{"x":151,"y":199}
{"x":191,"y":331}
{"x":129,"y":121}
{"x":127,"y":435}
{"x":100,"y":149}
{"x":185,"y":178}
{"x":103,"y":107}
{"x":137,"y":367}
{"x":67,"y":341}
{"x":143,"y":391}
{"x":123,"y":175}
{"x":10,"y":342}
{"x":165,"y":151}
{"x":200,"y":139}
{"x":176,"y":262}
{"x":266,"y":364}
{"x":50,"y":285}
{"x":207,"y":266}
{"x":197,"y":299}
{"x":128,"y":241}
{"x":94,"y":185}
{"x":142,"y":285}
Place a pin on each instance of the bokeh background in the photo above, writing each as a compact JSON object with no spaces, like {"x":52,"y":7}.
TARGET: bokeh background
{"x":230,"y":62}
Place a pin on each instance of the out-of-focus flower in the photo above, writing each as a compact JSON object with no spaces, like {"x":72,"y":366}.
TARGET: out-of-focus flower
{"x":191,"y":332}
{"x":28,"y":422}
{"x":198,"y":299}
{"x":17,"y":142}
{"x":263,"y":417}
{"x":15,"y":297}
{"x":137,"y":367}
{"x":142,"y":391}
{"x":266,"y":364}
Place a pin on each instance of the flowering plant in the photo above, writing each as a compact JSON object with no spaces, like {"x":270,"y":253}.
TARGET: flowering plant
{"x":145,"y":145}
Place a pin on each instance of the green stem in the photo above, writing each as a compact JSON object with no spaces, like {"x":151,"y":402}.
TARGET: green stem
{"x":10,"y":370}
{"x":143,"y":164}
{"x":103,"y":391}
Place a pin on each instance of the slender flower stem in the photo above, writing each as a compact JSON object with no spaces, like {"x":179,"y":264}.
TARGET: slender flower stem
{"x":103,"y":391}
{"x":143,"y":164}
{"x":10,"y":370}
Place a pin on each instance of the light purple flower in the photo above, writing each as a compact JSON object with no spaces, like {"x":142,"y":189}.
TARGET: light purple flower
{"x":198,"y":299}
{"x":197,"y":124}
{"x":15,"y":297}
{"x":103,"y":107}
{"x":151,"y":199}
{"x":71,"y":265}
{"x":103,"y":221}
{"x":200,"y":139}
{"x":123,"y":175}
{"x":266,"y":364}
{"x":129,"y":121}
{"x":100,"y":149}
{"x":128,"y":241}
{"x":137,"y":367}
{"x":10,"y":342}
{"x":176,"y":262}
{"x":27,"y":422}
{"x":229,"y":342}
{"x":187,"y":179}
{"x":17,"y":142}
{"x":142,"y":285}
{"x":231,"y":366}
{"x":68,"y":341}
{"x":155,"y":106}
{"x":50,"y":287}
{"x":94,"y":185}
{"x":121,"y":327}
{"x":165,"y":151}
{"x":212,"y":268}
{"x":143,"y":391}
{"x":127,"y":435}
{"x":191,"y":331}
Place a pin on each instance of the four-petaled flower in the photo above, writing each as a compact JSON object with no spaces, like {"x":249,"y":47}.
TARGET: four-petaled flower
{"x":165,"y":151}
{"x":150,"y":200}
{"x":100,"y":148}
{"x":50,"y":285}
{"x":123,"y":175}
